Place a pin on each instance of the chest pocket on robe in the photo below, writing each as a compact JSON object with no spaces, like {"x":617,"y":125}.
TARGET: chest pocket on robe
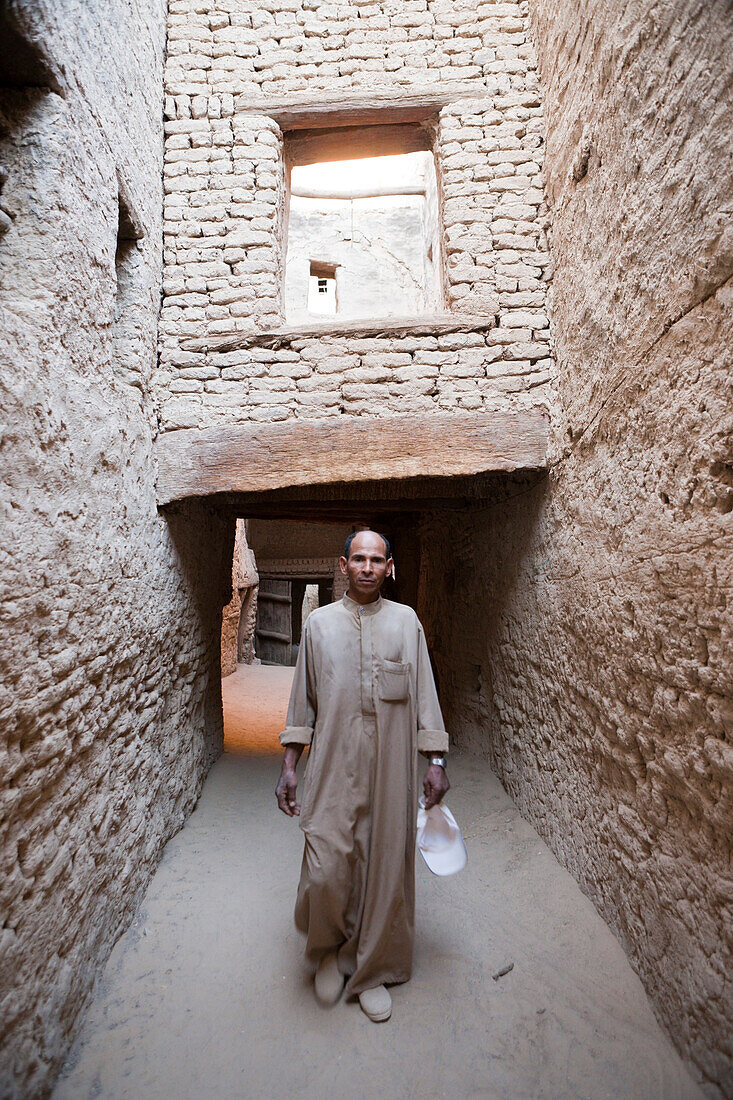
{"x":394,"y":681}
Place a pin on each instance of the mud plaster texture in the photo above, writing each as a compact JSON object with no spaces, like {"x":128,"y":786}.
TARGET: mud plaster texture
{"x":275,"y":540}
{"x":239,"y":616}
{"x":110,"y":712}
{"x":581,"y":629}
{"x":225,"y":203}
{"x":206,"y":995}
{"x":578,"y":629}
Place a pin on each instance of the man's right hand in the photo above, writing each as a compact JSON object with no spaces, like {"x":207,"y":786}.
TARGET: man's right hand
{"x":287,"y":785}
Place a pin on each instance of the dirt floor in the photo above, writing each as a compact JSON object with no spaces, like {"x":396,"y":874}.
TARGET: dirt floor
{"x":255,"y":699}
{"x":206,"y":998}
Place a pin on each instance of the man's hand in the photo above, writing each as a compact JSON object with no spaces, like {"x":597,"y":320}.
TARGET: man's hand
{"x":435,"y":785}
{"x":287,"y":785}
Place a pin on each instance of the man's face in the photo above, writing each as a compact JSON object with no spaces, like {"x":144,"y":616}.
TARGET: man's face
{"x":367,"y":566}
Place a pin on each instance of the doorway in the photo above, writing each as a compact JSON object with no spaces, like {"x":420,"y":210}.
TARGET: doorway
{"x":283,"y":606}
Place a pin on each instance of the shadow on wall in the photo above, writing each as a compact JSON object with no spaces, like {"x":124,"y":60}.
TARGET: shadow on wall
{"x":203,"y":536}
{"x":472,"y":564}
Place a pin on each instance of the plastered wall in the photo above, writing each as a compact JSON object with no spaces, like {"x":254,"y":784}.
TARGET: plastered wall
{"x":109,"y":704}
{"x":239,"y":616}
{"x":273,"y":539}
{"x":225,"y":206}
{"x":380,"y":249}
{"x":581,"y":629}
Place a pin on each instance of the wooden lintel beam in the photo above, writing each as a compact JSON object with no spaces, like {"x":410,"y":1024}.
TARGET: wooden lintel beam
{"x":354,"y":143}
{"x":274,"y":635}
{"x":428,"y":325}
{"x":246,"y":458}
{"x":359,"y":108}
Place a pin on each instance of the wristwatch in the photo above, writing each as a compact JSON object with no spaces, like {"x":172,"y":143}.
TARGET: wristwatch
{"x":439,"y":760}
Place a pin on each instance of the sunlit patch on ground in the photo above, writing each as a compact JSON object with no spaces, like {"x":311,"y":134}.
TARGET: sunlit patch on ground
{"x":255,"y":700}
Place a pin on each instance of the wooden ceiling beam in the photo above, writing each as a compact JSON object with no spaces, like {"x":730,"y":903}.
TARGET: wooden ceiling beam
{"x":354,"y":143}
{"x":251,"y":458}
{"x":359,"y":108}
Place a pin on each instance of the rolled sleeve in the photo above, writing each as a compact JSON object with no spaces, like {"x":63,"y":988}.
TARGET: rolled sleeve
{"x":296,"y":735}
{"x":301,"y":717}
{"x":432,"y":741}
{"x":431,"y":732}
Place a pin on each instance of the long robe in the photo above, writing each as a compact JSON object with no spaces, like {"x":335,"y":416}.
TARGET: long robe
{"x":364,"y":699}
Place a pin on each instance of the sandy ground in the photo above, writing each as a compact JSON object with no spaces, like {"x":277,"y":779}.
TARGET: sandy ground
{"x":205,"y":997}
{"x":255,"y":699}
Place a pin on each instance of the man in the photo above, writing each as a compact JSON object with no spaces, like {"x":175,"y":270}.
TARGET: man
{"x":364,"y":699}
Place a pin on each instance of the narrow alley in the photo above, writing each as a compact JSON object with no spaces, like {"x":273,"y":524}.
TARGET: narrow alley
{"x":206,"y":997}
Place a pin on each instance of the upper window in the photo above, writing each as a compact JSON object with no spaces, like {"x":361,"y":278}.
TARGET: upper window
{"x":322,"y":289}
{"x":363,"y":232}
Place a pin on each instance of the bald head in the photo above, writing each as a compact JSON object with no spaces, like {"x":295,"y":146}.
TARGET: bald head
{"x":355,"y":534}
{"x":367,"y":562}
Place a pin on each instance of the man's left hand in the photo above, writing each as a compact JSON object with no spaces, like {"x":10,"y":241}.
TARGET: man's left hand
{"x":435,"y":785}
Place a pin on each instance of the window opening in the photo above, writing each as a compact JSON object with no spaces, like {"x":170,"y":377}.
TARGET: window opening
{"x":322,"y":289}
{"x":363,"y":232}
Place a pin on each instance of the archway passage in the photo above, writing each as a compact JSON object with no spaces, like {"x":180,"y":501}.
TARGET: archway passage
{"x":295,"y":563}
{"x":517,"y":980}
{"x":295,"y":537}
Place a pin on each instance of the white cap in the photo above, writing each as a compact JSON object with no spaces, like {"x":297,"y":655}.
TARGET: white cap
{"x":439,"y":839}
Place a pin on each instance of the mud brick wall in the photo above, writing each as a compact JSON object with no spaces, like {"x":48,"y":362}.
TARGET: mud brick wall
{"x":109,"y":704}
{"x":278,"y":47}
{"x":374,"y":376}
{"x":582,"y":628}
{"x":225,"y":205}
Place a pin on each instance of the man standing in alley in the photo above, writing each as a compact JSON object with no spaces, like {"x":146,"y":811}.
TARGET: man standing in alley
{"x":364,"y":699}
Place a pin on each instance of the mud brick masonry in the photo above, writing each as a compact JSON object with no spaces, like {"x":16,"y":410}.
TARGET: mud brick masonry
{"x":553,"y":443}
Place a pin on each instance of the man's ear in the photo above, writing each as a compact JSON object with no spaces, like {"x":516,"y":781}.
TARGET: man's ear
{"x":343,"y":565}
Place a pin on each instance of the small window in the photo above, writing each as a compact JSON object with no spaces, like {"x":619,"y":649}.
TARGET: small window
{"x":322,"y":289}
{"x":363,"y":233}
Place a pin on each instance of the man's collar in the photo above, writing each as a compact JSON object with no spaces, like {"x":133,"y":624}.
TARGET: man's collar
{"x":362,"y":608}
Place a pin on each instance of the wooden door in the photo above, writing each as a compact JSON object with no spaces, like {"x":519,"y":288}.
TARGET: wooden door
{"x":274,"y":631}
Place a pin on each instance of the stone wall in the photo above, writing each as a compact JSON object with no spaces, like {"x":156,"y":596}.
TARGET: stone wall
{"x":284,"y":46}
{"x":581,"y":628}
{"x":225,"y":200}
{"x":376,"y":222}
{"x":324,"y":376}
{"x":239,"y":617}
{"x":110,"y":675}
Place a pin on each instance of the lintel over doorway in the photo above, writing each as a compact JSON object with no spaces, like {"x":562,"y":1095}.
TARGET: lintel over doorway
{"x":259,"y":457}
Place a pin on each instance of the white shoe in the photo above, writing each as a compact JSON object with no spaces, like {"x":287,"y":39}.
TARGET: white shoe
{"x":376,"y":1003}
{"x":329,"y":981}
